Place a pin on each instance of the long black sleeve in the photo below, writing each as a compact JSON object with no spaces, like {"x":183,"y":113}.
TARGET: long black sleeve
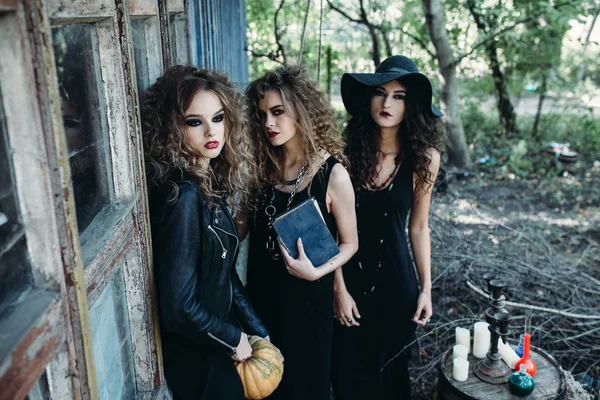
{"x":243,"y":308}
{"x":177,"y":259}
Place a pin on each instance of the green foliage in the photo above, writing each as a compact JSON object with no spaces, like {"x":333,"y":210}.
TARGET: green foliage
{"x":581,"y":131}
{"x":518,"y":161}
{"x":262,"y":41}
{"x":534,"y":53}
{"x":524,"y":155}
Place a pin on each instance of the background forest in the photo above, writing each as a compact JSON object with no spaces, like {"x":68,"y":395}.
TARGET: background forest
{"x":511,"y":76}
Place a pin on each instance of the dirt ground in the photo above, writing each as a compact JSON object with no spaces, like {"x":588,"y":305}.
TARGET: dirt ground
{"x":542,"y":237}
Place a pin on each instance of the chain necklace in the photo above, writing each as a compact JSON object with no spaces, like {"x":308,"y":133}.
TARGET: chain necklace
{"x":270,"y":211}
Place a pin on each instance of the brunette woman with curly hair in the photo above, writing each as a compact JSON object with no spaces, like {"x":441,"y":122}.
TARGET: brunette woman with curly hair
{"x":198,"y":159}
{"x":393,"y":149}
{"x":298,"y":151}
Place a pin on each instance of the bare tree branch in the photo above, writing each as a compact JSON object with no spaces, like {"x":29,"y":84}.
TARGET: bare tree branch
{"x":381,"y":29}
{"x":479,"y":291}
{"x":386,"y":42}
{"x":280,"y":48}
{"x":372,"y":32}
{"x":320,"y":42}
{"x":340,"y":11}
{"x":270,"y":55}
{"x":364,"y":20}
{"x":303,"y":31}
{"x":424,"y":45}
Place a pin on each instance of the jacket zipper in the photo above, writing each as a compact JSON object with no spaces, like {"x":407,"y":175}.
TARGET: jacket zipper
{"x":224,"y":254}
{"x":237,"y":243}
{"x":222,"y":342}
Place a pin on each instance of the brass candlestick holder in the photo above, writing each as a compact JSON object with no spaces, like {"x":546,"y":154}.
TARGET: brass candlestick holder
{"x":492,"y":369}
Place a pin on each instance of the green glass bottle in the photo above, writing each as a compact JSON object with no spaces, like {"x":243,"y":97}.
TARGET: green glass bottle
{"x":521,"y":383}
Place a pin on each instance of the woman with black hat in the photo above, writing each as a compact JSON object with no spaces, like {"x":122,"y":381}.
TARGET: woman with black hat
{"x":393,"y":145}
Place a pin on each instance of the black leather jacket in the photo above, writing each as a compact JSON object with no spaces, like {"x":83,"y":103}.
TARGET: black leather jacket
{"x":195,"y":249}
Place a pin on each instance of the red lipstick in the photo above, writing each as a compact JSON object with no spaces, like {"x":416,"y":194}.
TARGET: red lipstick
{"x":271,"y":134}
{"x":213,"y":144}
{"x":385,"y":114}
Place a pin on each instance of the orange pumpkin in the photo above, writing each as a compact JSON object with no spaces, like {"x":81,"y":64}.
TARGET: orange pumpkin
{"x":262,"y":372}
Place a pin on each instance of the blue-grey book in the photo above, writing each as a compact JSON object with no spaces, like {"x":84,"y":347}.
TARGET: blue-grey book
{"x":306,"y":222}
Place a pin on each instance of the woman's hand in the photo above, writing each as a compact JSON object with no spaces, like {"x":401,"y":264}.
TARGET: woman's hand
{"x":345,"y":308}
{"x":301,"y":267}
{"x":243,"y":351}
{"x":424,"y":309}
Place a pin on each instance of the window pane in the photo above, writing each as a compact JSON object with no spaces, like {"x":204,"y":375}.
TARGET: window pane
{"x":111,"y":337}
{"x":179,"y":45}
{"x":15,"y":272}
{"x":77,"y":65}
{"x":140,"y":51}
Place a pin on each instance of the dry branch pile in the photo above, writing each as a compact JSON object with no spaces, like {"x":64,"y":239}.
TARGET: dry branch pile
{"x":563,"y":301}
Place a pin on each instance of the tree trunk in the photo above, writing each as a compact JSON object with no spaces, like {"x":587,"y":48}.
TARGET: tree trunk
{"x":506,"y":111}
{"x":375,"y":41}
{"x":372,"y":32}
{"x":386,"y":42}
{"x":328,"y":58}
{"x":581,"y":71}
{"x":280,"y":48}
{"x":538,"y":114}
{"x":436,"y":25}
{"x":508,"y":118}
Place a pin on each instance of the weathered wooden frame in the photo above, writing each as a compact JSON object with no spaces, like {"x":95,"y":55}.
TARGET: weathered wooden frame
{"x":47,"y":338}
{"x":61,"y":332}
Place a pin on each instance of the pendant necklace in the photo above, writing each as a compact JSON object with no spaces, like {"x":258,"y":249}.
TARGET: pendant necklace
{"x":270,"y":211}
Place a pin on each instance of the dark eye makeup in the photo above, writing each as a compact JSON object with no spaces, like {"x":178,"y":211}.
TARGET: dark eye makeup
{"x":193,"y":122}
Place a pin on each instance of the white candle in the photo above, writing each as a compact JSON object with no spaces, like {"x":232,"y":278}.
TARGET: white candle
{"x":509,"y":356}
{"x":459,"y":351}
{"x":481,"y":339}
{"x":463,"y":337}
{"x":460,"y":369}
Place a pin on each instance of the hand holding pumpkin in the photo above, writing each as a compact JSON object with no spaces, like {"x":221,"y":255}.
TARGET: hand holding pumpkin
{"x":243,"y":351}
{"x":301,"y":267}
{"x":262,"y":372}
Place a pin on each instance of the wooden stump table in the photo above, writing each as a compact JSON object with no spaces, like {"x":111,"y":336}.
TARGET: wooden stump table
{"x":549,"y":381}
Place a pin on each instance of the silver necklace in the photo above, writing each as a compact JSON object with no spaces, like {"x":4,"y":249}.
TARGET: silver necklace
{"x":270,"y":211}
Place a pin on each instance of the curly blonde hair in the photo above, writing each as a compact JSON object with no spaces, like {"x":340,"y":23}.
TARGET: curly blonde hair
{"x":232,"y":174}
{"x":313,"y":119}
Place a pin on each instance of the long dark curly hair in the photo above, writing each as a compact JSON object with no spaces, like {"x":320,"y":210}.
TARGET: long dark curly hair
{"x":314,"y":119}
{"x":418,"y":132}
{"x":232,"y":175}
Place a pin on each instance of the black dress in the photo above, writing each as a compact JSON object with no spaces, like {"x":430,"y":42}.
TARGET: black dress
{"x":382,"y":281}
{"x":298,"y":313}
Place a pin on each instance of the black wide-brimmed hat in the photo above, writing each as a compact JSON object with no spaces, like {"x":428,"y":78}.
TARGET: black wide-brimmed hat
{"x":355,"y":86}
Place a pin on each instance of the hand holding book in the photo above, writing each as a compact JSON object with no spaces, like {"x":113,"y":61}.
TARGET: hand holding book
{"x":304,"y":225}
{"x":301,"y":267}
